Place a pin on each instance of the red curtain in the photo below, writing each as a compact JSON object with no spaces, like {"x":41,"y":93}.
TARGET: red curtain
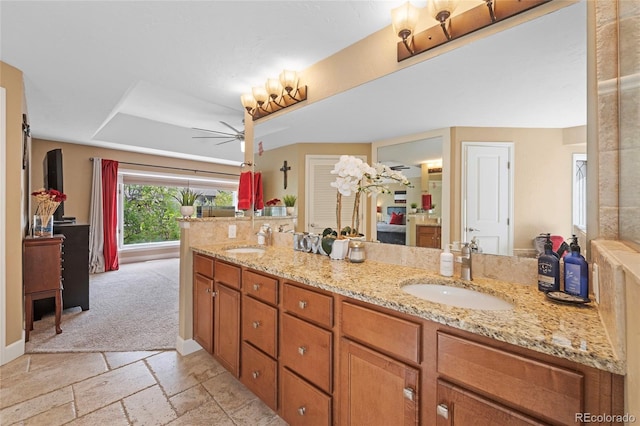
{"x":110,"y":213}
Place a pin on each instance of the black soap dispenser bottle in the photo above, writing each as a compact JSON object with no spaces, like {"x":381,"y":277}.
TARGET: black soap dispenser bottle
{"x":576,"y":272}
{"x":548,"y":268}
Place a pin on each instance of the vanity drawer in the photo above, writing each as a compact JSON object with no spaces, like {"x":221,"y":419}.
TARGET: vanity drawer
{"x":260,"y":286}
{"x":228,"y":274}
{"x":307,"y":349}
{"x":259,"y":374}
{"x":302,"y":404}
{"x":203,"y":265}
{"x":391,"y":334}
{"x":522,"y":383}
{"x":308,"y":304}
{"x":259,"y":325}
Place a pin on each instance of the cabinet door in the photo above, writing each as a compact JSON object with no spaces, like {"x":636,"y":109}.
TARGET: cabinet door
{"x":457,"y":406}
{"x":376,"y":389}
{"x":203,"y":312}
{"x":226,"y":325}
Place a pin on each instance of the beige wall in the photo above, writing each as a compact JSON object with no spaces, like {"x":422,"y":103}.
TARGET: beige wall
{"x":78,"y":170}
{"x":11,"y":80}
{"x":542,"y":177}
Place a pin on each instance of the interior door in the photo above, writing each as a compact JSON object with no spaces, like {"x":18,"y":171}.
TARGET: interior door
{"x":320,"y":206}
{"x":487,"y":200}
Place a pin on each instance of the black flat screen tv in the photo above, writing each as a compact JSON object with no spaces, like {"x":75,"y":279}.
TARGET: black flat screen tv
{"x":52,"y":165}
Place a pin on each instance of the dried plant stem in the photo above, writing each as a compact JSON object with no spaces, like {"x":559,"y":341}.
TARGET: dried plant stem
{"x":338,"y":210}
{"x":355,"y":217}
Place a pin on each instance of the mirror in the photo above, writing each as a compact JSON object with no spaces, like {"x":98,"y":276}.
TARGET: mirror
{"x":525,"y":85}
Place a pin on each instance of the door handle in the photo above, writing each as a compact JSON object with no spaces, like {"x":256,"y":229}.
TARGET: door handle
{"x":473,"y":230}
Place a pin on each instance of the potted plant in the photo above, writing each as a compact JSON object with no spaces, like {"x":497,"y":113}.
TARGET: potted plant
{"x":187,"y":197}
{"x":414,"y":207}
{"x":290,"y":202}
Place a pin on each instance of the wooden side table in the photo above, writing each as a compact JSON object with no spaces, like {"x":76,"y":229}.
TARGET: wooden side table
{"x":41,"y":273}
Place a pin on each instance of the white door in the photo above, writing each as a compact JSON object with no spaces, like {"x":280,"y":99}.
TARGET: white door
{"x":487,"y":201}
{"x":320,"y":205}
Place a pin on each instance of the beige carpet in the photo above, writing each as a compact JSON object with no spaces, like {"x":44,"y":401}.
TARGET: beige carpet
{"x":132,"y":309}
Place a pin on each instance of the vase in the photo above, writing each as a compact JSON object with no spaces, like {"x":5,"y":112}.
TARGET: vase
{"x":187,"y":211}
{"x":291,"y":210}
{"x":339,"y":249}
{"x":42,"y":226}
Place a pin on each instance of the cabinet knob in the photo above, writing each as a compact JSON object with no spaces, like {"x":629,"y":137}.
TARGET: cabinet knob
{"x":256,"y":287}
{"x":409,"y":394}
{"x":443,"y":411}
{"x":302,"y":304}
{"x":255,"y":374}
{"x":208,"y":290}
{"x":302,"y":350}
{"x":214,"y":293}
{"x":256,"y":324}
{"x":302,"y":410}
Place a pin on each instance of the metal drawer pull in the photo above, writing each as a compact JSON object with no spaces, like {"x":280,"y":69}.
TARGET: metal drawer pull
{"x":302,"y":304}
{"x":256,"y":324}
{"x":409,"y":393}
{"x":302,"y":410}
{"x":443,"y":411}
{"x":302,"y":350}
{"x":255,"y":374}
{"x":256,"y":287}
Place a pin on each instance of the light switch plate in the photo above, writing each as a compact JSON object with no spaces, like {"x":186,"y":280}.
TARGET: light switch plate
{"x":232,"y":231}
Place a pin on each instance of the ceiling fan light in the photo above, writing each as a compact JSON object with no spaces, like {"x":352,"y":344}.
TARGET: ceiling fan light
{"x":442,"y":10}
{"x":274,"y":88}
{"x":289,"y":80}
{"x":242,"y":145}
{"x":260,"y":94}
{"x":404,"y":19}
{"x":248,"y":101}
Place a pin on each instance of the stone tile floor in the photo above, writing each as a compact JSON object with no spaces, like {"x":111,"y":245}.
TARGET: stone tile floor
{"x":126,"y":388}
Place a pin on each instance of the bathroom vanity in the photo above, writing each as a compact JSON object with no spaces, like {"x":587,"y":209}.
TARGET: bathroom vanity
{"x":333,"y":342}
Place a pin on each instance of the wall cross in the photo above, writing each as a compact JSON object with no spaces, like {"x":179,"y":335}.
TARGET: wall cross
{"x":284,"y":170}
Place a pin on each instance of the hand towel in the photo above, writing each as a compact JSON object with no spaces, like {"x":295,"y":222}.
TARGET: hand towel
{"x":244,"y":191}
{"x":259,"y":197}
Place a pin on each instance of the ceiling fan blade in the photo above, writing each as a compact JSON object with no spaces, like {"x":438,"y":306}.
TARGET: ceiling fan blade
{"x":232,"y":128}
{"x":211,"y":137}
{"x":215,"y":131}
{"x":230,"y":140}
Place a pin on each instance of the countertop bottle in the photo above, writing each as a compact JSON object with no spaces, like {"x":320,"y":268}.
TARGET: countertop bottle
{"x":548,"y":268}
{"x":576,"y":272}
{"x":446,"y":262}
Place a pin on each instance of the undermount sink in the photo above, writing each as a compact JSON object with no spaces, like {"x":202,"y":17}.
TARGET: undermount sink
{"x":456,"y":296}
{"x":255,"y":250}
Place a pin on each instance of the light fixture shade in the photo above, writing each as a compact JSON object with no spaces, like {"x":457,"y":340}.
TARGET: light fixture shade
{"x":242,"y":145}
{"x":442,"y":10}
{"x":248,"y":101}
{"x":260,"y":94}
{"x":289,"y":80}
{"x":404,"y":19}
{"x":274,"y":88}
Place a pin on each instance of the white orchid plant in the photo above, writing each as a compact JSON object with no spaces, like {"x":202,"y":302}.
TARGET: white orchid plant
{"x":356,"y":176}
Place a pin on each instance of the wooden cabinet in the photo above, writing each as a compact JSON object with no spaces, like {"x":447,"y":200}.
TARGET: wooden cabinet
{"x":376,"y":389}
{"x":259,"y":370}
{"x":226,"y":327}
{"x":203,"y":271}
{"x":460,"y":407}
{"x":379,"y":374}
{"x":428,"y":236}
{"x":42,"y":276}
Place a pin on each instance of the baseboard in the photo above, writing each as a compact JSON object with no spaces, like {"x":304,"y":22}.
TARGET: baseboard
{"x":186,"y":347}
{"x":13,"y":351}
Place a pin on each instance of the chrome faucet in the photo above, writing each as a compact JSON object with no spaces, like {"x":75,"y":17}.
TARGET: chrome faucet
{"x":465,"y":261}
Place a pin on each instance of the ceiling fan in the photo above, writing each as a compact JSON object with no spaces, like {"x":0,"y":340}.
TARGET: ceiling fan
{"x":237,"y":135}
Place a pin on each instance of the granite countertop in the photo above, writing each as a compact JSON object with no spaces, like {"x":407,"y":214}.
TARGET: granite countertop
{"x":571,"y":332}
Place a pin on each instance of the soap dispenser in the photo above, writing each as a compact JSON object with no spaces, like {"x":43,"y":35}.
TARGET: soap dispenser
{"x":548,"y":268}
{"x":446,"y":262}
{"x":576,"y":272}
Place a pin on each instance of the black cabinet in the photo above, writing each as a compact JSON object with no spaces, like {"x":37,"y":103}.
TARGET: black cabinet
{"x":75,"y":272}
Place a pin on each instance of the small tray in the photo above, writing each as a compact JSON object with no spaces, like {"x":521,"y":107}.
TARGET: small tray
{"x":562,"y":297}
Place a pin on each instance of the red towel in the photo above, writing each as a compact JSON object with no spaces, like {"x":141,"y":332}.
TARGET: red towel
{"x":244,"y":191}
{"x":426,"y":201}
{"x":259,"y":198}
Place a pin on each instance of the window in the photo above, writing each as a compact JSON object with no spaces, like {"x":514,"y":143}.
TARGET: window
{"x":148,"y":209}
{"x":580,"y":190}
